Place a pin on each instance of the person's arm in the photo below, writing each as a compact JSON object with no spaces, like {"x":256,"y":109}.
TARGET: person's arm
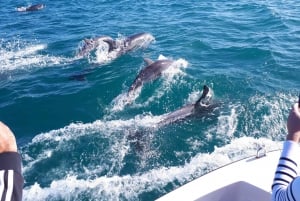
{"x":11,"y":178}
{"x":286,"y":182}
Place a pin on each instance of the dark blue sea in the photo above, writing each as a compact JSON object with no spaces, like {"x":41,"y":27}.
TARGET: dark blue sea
{"x":78,"y":140}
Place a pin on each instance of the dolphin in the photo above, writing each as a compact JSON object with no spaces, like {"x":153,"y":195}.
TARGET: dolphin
{"x":151,"y":72}
{"x":136,"y":41}
{"x":201,"y":105}
{"x":120,"y":47}
{"x":91,"y":44}
{"x":31,"y":8}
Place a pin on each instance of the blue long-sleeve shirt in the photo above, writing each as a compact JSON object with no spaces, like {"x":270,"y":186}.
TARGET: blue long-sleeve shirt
{"x":11,"y":178}
{"x":286,"y":184}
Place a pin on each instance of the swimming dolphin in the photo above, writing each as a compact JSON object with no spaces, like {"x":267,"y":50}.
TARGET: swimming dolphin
{"x":128,"y":44}
{"x":151,"y":72}
{"x":31,"y":8}
{"x":201,"y":105}
{"x":136,"y":41}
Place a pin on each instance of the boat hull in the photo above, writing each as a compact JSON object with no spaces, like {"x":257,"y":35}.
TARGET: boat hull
{"x":249,"y":179}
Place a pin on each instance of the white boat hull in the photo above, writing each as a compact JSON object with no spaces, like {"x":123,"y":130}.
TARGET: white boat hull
{"x":249,"y":179}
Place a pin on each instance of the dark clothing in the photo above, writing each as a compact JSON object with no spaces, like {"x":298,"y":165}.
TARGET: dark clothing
{"x":11,"y":178}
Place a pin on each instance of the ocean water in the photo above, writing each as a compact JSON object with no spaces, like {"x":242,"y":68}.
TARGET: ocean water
{"x":77,"y":138}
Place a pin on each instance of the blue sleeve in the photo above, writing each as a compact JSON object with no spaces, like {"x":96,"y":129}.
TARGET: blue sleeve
{"x":11,"y":178}
{"x":286,"y":182}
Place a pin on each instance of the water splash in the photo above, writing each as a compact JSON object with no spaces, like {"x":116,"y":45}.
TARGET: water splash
{"x":112,"y":132}
{"x":101,"y":177}
{"x":129,"y":187}
{"x":124,"y":99}
{"x":19,"y":55}
{"x":101,"y":54}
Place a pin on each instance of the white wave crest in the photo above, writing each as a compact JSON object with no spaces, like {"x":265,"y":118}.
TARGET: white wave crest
{"x":18,"y":55}
{"x":129,"y":187}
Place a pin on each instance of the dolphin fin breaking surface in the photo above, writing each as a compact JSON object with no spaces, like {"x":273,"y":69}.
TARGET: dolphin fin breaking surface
{"x":190,"y":109}
{"x":148,"y":61}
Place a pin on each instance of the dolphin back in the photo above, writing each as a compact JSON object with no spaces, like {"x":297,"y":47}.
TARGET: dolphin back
{"x":177,"y":115}
{"x":138,"y":40}
{"x":150,"y":73}
{"x":31,"y":8}
{"x":201,"y":106}
{"x":35,"y":7}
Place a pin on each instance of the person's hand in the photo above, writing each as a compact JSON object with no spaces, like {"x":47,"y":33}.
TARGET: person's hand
{"x":7,"y":139}
{"x":293,"y":124}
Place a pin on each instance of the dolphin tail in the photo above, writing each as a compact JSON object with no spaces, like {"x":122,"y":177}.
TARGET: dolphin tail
{"x":204,"y":94}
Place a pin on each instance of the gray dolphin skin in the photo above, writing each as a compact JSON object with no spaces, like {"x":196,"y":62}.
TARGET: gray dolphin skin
{"x":151,"y":72}
{"x":35,"y":7}
{"x":136,"y":41}
{"x":202,"y":104}
{"x":130,"y":43}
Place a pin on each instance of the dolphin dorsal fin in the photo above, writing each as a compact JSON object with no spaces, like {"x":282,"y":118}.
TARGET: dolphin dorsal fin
{"x":204,"y":94}
{"x":148,"y":61}
{"x":111,"y":43}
